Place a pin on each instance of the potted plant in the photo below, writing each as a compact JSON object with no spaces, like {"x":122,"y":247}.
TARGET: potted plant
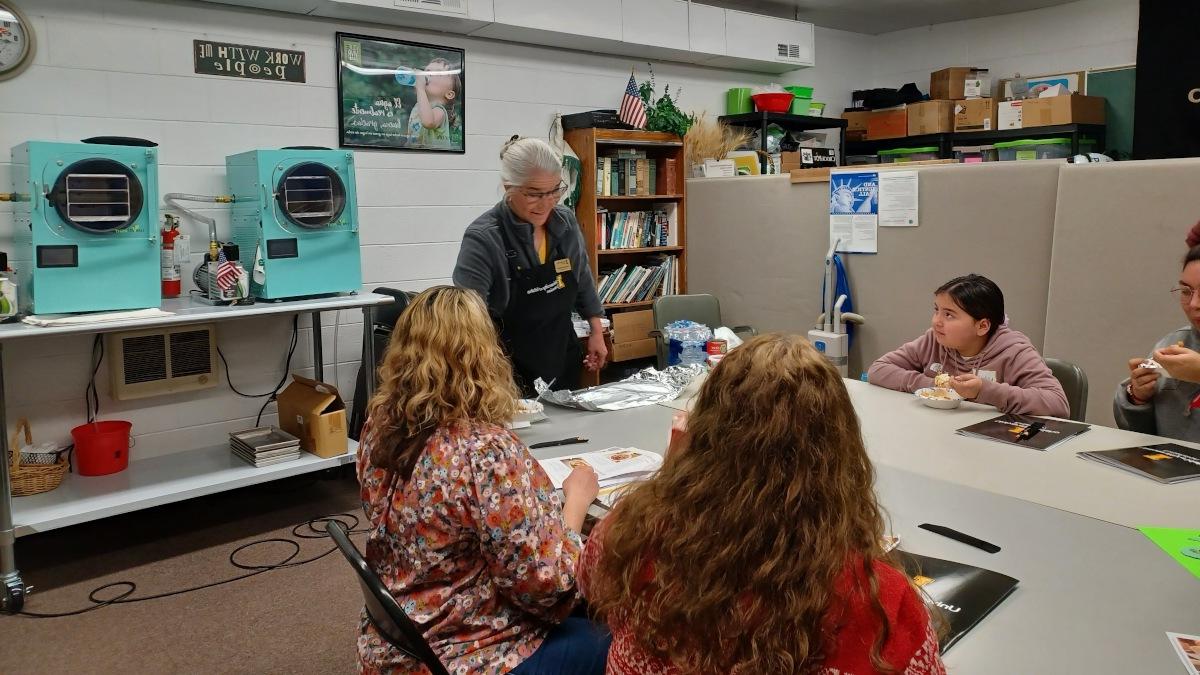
{"x":709,"y":139}
{"x":664,"y":114}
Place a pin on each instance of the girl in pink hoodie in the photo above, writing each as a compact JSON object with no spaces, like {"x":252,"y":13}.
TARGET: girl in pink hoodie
{"x":988,"y":362}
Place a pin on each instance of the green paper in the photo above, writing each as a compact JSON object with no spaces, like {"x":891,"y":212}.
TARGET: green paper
{"x":1175,"y":542}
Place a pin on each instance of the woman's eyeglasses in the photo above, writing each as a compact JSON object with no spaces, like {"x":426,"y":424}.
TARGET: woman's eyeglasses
{"x":1184,"y":293}
{"x":534,"y":196}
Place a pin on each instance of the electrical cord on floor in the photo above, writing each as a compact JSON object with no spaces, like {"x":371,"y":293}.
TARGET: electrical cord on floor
{"x":274,"y":393}
{"x":91,"y":396}
{"x":125,"y":596}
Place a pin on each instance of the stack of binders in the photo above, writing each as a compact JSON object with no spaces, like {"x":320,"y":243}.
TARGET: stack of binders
{"x":264,"y":446}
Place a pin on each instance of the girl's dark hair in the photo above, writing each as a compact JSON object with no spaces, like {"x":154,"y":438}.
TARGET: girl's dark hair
{"x":1193,"y":254}
{"x":980,"y":297}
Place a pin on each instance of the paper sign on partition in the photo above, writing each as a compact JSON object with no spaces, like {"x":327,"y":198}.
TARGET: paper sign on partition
{"x":854,"y":211}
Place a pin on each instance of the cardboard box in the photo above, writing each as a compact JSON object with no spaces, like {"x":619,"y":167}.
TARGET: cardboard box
{"x":950,"y":83}
{"x":807,"y":158}
{"x":976,"y":114}
{"x":1071,"y":109}
{"x":930,"y":117}
{"x":1010,"y":114}
{"x":636,"y":349}
{"x":630,"y":326}
{"x":887,"y":123}
{"x":856,"y":124}
{"x":315,"y":413}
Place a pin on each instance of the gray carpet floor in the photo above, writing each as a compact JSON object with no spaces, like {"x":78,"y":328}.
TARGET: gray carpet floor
{"x":301,"y":619}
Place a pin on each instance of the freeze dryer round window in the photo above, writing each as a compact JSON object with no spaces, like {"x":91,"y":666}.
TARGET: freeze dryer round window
{"x":97,"y":195}
{"x":311,"y":195}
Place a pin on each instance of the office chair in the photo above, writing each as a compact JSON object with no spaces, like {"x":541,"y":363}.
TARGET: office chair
{"x":1075,"y":383}
{"x":385,"y":613}
{"x":701,"y":308}
{"x":381,"y":334}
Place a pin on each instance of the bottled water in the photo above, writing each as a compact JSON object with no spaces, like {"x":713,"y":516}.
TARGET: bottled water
{"x":687,"y":341}
{"x":405,"y":77}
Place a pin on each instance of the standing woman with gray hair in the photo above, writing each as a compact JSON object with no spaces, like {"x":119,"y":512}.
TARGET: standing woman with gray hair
{"x":526,"y":257}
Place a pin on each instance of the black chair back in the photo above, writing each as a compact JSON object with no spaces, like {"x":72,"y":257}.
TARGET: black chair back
{"x":381,"y":334}
{"x":382,"y":609}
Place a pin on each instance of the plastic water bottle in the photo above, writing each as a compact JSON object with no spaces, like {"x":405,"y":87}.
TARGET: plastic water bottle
{"x":687,"y":340}
{"x":405,"y":77}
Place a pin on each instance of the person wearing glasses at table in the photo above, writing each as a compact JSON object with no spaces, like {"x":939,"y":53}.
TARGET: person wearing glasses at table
{"x":526,"y":257}
{"x":1162,"y":394}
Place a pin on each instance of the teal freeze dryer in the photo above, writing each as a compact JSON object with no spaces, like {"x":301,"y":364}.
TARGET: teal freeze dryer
{"x":86,"y":221}
{"x":295,"y":221}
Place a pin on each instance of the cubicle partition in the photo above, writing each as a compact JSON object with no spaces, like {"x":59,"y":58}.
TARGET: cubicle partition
{"x":1118,"y":243}
{"x":758,"y":245}
{"x":1086,"y":255}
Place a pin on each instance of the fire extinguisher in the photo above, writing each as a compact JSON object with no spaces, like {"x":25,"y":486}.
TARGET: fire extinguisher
{"x":174,"y":253}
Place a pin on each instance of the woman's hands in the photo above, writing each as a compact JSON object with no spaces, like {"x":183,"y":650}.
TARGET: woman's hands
{"x":1180,"y":363}
{"x":597,"y":351}
{"x":579,"y":489}
{"x":967,"y":385}
{"x":1143,"y":382}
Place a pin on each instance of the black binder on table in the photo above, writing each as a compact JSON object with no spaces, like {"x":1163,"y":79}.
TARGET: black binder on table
{"x":963,"y":593}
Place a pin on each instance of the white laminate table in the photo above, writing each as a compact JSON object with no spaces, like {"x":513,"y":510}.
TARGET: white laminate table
{"x":1094,"y":597}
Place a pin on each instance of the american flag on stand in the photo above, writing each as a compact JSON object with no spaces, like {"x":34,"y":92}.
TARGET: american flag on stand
{"x":227,"y":273}
{"x":633,"y":111}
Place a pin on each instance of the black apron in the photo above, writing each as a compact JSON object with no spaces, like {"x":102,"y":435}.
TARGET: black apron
{"x":536,"y":327}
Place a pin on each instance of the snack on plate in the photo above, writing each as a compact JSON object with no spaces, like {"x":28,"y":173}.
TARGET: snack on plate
{"x":529,"y":406}
{"x":942,"y":381}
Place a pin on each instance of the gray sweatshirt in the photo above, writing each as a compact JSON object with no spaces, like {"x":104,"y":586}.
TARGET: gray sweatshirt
{"x":481,"y":265}
{"x":1167,"y":414}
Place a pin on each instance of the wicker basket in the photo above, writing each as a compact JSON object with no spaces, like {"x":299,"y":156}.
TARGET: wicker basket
{"x":31,"y":479}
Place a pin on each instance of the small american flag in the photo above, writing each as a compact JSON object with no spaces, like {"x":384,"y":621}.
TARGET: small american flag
{"x":633,"y":111}
{"x":227,"y":273}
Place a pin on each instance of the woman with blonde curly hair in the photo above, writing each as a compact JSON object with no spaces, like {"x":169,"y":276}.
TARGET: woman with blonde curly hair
{"x":465,"y":528}
{"x":757,"y":547}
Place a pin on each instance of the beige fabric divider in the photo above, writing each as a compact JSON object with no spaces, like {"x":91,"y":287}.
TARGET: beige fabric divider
{"x":1118,"y":243}
{"x":758,"y":245}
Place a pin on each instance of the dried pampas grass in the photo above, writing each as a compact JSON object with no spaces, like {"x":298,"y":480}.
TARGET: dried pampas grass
{"x":709,"y":139}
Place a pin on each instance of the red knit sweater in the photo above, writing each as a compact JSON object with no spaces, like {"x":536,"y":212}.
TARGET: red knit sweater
{"x":912,"y":647}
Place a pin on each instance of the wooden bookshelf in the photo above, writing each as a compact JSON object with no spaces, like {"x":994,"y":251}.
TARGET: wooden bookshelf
{"x":590,"y":143}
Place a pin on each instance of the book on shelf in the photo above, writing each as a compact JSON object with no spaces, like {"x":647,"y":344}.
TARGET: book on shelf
{"x":668,"y":175}
{"x":632,"y":229}
{"x":1166,"y":463}
{"x":1026,"y":431}
{"x":639,"y":283}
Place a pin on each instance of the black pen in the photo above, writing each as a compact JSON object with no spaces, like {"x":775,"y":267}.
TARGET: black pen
{"x":565,"y":441}
{"x":1030,"y":431}
{"x":960,"y":537}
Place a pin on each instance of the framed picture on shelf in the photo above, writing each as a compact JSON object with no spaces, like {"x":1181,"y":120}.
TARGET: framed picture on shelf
{"x":399,"y":95}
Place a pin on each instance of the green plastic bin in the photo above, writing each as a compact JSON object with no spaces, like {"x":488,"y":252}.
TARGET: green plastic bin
{"x":900,"y":155}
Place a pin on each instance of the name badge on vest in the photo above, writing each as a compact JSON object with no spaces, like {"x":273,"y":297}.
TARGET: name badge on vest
{"x":562,"y":265}
{"x":986,"y":375}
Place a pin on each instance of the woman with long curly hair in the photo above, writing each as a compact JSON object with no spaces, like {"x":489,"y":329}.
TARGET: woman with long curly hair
{"x":757,"y":547}
{"x":465,"y":528}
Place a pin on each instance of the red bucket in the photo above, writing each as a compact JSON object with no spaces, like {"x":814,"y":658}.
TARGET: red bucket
{"x":101,"y":447}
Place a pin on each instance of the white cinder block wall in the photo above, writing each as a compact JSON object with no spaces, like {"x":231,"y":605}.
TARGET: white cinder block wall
{"x":1074,"y":36}
{"x":124,"y":67}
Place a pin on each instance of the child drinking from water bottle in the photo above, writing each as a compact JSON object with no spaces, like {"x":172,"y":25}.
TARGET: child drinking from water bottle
{"x":429,"y":120}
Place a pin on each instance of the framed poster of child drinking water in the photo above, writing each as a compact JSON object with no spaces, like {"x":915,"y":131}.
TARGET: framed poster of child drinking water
{"x":399,"y":95}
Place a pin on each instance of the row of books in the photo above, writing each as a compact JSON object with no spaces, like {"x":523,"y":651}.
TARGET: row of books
{"x":632,"y":229}
{"x":637,"y":283}
{"x":632,"y":173}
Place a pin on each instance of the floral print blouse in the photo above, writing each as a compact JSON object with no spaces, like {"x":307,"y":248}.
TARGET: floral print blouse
{"x":472,"y":546}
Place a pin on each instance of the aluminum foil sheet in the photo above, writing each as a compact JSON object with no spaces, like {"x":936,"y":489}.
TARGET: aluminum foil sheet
{"x":647,"y":387}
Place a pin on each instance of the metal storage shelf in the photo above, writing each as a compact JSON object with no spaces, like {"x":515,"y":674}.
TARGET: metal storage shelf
{"x":165,"y":479}
{"x":788,"y":122}
{"x":945,"y":142}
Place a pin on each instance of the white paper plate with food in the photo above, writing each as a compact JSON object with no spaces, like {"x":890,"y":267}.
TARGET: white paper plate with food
{"x":939,"y":397}
{"x":529,"y":411}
